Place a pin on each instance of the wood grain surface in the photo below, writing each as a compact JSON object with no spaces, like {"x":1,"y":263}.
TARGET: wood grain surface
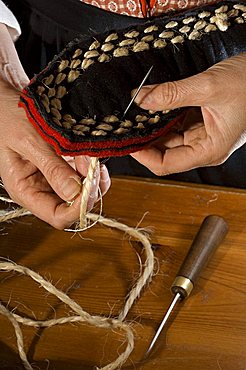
{"x":98,"y":268}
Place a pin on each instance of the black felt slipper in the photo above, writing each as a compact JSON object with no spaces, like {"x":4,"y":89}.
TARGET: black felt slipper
{"x":77,"y":102}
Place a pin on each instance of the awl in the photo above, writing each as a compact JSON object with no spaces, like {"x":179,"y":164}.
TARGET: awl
{"x":210,"y":234}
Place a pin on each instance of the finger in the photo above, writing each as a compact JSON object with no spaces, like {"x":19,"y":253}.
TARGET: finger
{"x":82,"y":163}
{"x":51,"y":209}
{"x":171,"y":140}
{"x":94,"y":189}
{"x":173,"y":160}
{"x":62,"y":178}
{"x":70,"y":161}
{"x":105,"y":181}
{"x":192,"y":91}
{"x":101,"y":179}
{"x":29,"y":189}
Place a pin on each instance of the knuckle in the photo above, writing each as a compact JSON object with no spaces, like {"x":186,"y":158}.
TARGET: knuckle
{"x":170,"y":93}
{"x":16,"y":189}
{"x":29,"y":143}
{"x":53,"y":171}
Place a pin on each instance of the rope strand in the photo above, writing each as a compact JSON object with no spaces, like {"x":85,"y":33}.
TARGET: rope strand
{"x":81,"y":315}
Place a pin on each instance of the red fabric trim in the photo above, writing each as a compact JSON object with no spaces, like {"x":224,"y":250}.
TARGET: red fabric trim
{"x":144,"y":7}
{"x":152,"y":3}
{"x":117,"y":148}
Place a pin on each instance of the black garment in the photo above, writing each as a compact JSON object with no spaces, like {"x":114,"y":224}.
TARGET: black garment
{"x":48,"y":25}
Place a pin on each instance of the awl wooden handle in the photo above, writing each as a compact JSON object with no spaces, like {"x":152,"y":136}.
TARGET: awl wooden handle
{"x":210,"y":235}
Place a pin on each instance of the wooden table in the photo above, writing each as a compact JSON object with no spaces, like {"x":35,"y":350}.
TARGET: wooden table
{"x":206,"y":332}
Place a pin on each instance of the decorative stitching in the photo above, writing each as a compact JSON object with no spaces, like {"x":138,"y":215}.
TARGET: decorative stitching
{"x":86,"y":63}
{"x":61,"y":92}
{"x":184,"y":29}
{"x":77,"y":53}
{"x":114,"y":45}
{"x":166,"y":34}
{"x":151,"y":29}
{"x":159,"y":44}
{"x":204,"y":14}
{"x":132,"y":34}
{"x":59,"y":78}
{"x":140,"y":46}
{"x":72,"y":76}
{"x":107,"y":47}
{"x":95,"y":45}
{"x":112,"y":37}
{"x":200,"y":25}
{"x":121,"y":52}
{"x":76,"y":62}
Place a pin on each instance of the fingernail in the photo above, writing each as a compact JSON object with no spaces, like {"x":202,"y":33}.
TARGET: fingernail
{"x":104,"y":178}
{"x":143,"y":96}
{"x":96,"y":176}
{"x":103,"y":169}
{"x":91,"y":201}
{"x":94,"y":195}
{"x":71,"y":188}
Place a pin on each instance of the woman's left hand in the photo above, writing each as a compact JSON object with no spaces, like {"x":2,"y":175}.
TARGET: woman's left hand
{"x":220,"y":92}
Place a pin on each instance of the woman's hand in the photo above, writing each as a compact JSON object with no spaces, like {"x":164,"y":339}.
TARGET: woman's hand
{"x":33,"y":175}
{"x":220,"y":92}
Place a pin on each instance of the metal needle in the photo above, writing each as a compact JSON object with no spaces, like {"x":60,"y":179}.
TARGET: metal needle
{"x":164,"y":320}
{"x":136,"y":93}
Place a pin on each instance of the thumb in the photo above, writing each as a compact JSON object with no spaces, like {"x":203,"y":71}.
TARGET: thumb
{"x":192,"y":91}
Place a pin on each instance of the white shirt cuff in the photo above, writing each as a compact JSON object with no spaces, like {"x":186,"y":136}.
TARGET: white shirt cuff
{"x":8,"y":18}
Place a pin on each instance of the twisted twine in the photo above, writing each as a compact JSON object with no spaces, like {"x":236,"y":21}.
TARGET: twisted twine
{"x":80,"y":314}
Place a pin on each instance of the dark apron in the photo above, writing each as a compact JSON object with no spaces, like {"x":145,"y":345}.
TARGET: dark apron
{"x":47,"y":25}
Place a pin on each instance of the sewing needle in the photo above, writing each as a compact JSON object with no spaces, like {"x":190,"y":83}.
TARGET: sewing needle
{"x":136,"y":93}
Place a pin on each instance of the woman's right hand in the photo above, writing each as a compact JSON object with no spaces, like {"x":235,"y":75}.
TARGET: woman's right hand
{"x":32,"y":173}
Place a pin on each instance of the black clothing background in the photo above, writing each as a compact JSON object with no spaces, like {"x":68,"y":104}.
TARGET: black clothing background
{"x":47,"y":25}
